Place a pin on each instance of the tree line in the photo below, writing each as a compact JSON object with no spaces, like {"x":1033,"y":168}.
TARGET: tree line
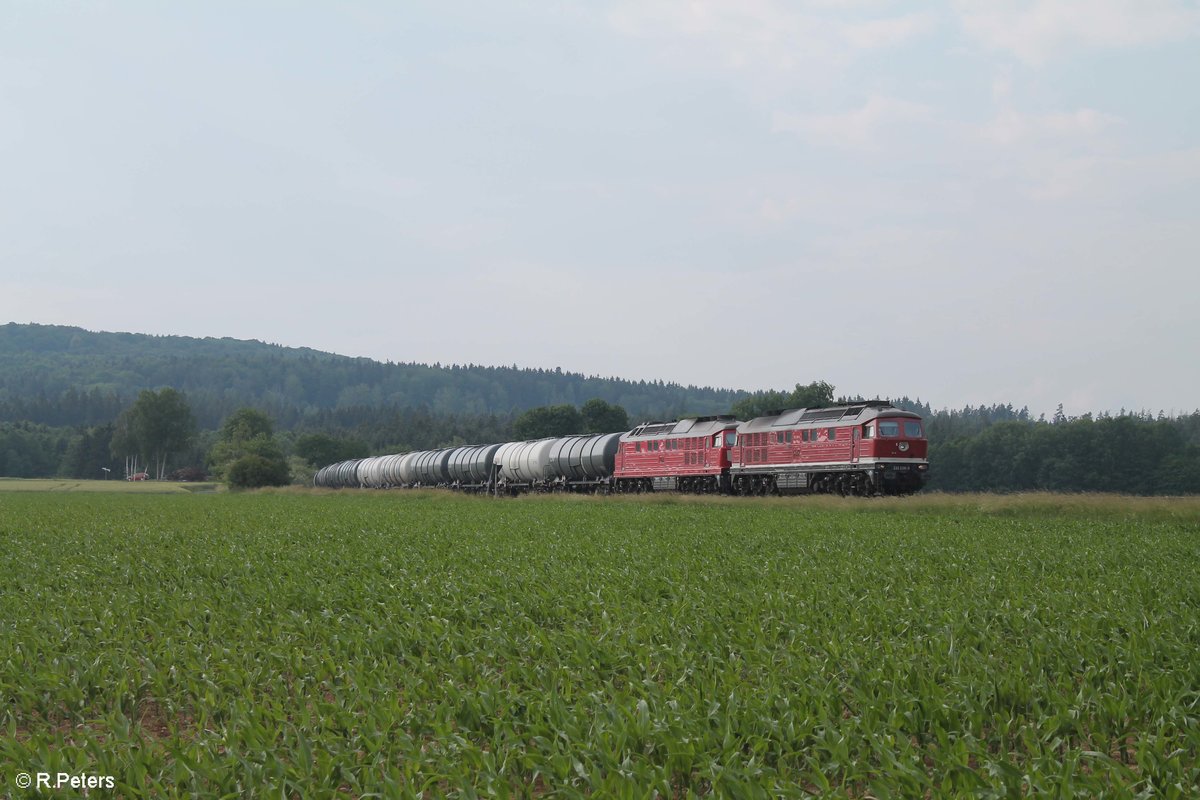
{"x":987,"y":448}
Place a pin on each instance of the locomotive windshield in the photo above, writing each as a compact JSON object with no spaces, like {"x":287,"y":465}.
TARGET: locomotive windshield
{"x":730,"y":438}
{"x":891,"y":428}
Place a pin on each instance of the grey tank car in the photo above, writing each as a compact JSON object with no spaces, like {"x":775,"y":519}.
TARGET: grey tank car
{"x":572,"y":463}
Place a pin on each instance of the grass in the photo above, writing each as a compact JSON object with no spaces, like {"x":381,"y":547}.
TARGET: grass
{"x":111,"y":486}
{"x":321,"y":644}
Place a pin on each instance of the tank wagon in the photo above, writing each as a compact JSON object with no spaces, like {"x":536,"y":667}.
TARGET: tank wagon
{"x":866,"y":448}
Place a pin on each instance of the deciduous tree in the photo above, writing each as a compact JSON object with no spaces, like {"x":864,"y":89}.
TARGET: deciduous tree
{"x":538,"y":423}
{"x":603,"y":417}
{"x":246,"y":432}
{"x":155,"y":426}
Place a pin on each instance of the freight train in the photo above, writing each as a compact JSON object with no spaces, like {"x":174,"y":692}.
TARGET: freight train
{"x":866,"y":448}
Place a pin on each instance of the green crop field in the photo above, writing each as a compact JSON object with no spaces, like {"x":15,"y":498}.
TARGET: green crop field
{"x":306,"y":644}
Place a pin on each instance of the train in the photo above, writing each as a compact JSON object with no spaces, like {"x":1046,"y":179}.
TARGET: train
{"x":866,"y":448}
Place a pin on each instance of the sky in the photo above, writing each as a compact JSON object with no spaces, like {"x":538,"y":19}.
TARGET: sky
{"x":963,"y":202}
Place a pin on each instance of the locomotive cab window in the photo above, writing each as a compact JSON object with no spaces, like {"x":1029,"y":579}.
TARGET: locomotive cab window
{"x":868,"y":431}
{"x":889,"y":429}
{"x":730,"y":437}
{"x":912,"y":429}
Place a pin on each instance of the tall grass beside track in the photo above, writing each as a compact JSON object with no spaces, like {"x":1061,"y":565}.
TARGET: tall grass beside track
{"x":321,"y":644}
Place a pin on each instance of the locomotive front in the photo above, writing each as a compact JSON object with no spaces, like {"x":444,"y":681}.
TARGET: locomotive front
{"x":895,"y":443}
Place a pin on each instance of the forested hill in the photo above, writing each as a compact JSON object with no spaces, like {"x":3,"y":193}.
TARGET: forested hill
{"x":59,"y":375}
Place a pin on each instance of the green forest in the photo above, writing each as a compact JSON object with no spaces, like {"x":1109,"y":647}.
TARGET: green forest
{"x":68,"y":397}
{"x":64,"y":376}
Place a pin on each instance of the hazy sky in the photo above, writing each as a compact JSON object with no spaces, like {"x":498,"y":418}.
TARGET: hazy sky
{"x":967,"y":202}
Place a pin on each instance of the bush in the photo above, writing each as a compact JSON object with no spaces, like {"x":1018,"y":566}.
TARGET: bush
{"x":252,"y":471}
{"x":186,"y":474}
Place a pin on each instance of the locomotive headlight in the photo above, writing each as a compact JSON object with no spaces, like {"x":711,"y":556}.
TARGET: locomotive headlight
{"x":902,"y":447}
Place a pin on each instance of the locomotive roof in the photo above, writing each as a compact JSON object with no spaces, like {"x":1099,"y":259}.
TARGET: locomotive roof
{"x":692,"y":426}
{"x":851,"y":413}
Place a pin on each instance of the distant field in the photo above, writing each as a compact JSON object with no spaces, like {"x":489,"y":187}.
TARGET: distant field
{"x":122,"y":486}
{"x":320,"y":644}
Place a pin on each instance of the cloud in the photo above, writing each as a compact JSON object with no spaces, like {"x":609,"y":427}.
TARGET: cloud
{"x":1036,"y":32}
{"x":877,"y":34}
{"x":1163,"y":180}
{"x":1011,"y":127}
{"x":857,"y":129}
{"x":757,"y":35}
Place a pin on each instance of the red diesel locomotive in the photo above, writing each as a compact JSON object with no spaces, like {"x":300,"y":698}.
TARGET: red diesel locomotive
{"x":691,"y":455}
{"x":865,"y":448}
